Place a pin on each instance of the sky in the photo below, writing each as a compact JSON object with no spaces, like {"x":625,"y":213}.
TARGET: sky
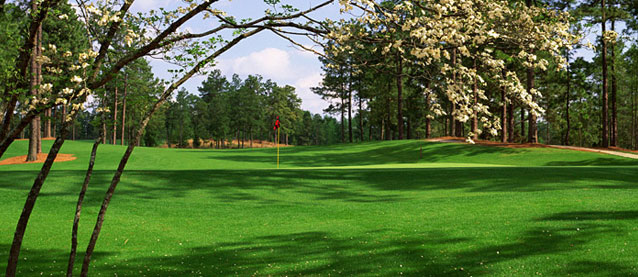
{"x":265,"y":54}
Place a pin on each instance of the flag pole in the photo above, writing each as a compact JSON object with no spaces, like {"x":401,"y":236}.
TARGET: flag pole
{"x":278,"y":148}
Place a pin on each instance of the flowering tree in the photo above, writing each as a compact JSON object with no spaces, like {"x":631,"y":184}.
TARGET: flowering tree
{"x":432,"y":32}
{"x":156,"y":32}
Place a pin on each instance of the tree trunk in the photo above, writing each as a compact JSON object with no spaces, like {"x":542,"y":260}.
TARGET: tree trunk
{"x":78,"y":208}
{"x":103,"y":119}
{"x":400,"y":96}
{"x":35,"y":145}
{"x":567,"y":100}
{"x":350,"y":115}
{"x":614,"y":88}
{"x":39,"y":79}
{"x":124,"y":108}
{"x":343,"y":126}
{"x":452,"y":104}
{"x":115,"y":116}
{"x":504,"y":121}
{"x":532,"y":133}
{"x":475,"y":114}
{"x":47,"y":123}
{"x":388,"y":121}
{"x":361,"y":133}
{"x":605,"y":129}
{"x":522,"y":122}
{"x":21,"y":227}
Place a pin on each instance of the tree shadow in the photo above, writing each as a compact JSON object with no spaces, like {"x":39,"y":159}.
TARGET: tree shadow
{"x":46,"y":261}
{"x":351,"y":185}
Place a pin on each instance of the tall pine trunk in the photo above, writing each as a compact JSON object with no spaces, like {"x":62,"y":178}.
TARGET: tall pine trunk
{"x":35,"y":145}
{"x":532,"y":133}
{"x":115,"y":116}
{"x":475,"y":114}
{"x":614,"y":88}
{"x":567,"y":100}
{"x":124,"y":109}
{"x":452,"y":104}
{"x":504,"y":120}
{"x":400,"y":96}
{"x":361,"y":133}
{"x":605,"y":111}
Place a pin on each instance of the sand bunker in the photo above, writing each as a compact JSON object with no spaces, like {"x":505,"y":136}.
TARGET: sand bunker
{"x":41,"y":158}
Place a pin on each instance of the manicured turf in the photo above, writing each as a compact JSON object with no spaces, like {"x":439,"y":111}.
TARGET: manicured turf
{"x":362,"y":209}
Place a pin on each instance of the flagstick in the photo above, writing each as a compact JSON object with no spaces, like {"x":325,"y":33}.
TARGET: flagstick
{"x":277,"y":147}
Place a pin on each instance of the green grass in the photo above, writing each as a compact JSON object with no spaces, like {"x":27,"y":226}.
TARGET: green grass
{"x":361,"y":209}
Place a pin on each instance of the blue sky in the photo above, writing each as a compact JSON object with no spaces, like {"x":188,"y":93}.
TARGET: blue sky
{"x":265,"y":54}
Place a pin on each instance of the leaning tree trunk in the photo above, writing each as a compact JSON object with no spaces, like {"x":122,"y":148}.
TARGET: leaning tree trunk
{"x":78,"y":208}
{"x":140,"y":130}
{"x":21,"y":227}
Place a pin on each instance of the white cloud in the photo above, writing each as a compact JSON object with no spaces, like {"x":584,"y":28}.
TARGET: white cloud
{"x":310,"y":101}
{"x":293,"y":67}
{"x":271,"y":63}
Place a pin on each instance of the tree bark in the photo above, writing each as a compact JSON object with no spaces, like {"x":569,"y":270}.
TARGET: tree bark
{"x":522,"y":123}
{"x":115,"y":116}
{"x":605,"y":129}
{"x":124,"y":109}
{"x":400,"y":96}
{"x":614,"y":88}
{"x":47,"y":123}
{"x":532,"y":133}
{"x":475,"y":114}
{"x":343,"y":126}
{"x":361,"y":133}
{"x":104,"y":119}
{"x":567,"y":100}
{"x":504,"y":121}
{"x":452,"y":104}
{"x":21,"y":227}
{"x":350,"y":114}
{"x":78,"y":208}
{"x":35,"y":145}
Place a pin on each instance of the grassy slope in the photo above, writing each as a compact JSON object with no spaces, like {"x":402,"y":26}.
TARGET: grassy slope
{"x":360,"y":209}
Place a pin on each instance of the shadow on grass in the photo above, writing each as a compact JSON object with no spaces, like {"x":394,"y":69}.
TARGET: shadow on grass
{"x":352,"y":185}
{"x":46,"y":261}
{"x":402,"y":152}
{"x":361,"y":154}
{"x":378,"y":252}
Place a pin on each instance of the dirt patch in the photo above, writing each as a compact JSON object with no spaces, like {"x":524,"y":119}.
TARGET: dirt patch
{"x":48,"y":138}
{"x":617,"y":151}
{"x":489,"y":143}
{"x":41,"y":158}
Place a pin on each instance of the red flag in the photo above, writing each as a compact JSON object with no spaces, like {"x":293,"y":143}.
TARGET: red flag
{"x":277,"y":123}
